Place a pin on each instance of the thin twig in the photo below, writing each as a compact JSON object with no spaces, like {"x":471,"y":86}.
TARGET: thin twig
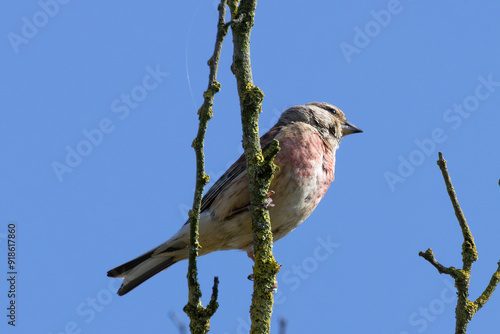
{"x":199,"y":315}
{"x":282,"y":325}
{"x":469,"y":248}
{"x":481,"y":300}
{"x":178,"y":322}
{"x":429,"y":256}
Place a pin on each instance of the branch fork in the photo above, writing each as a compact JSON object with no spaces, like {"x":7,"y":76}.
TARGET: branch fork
{"x":465,"y":309}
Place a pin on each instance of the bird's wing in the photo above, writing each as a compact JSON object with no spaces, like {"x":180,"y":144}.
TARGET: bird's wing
{"x":233,"y":172}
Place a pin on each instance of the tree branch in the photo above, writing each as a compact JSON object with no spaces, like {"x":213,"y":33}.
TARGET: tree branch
{"x":481,"y":300}
{"x":178,"y":323}
{"x":282,"y":325}
{"x":260,"y":169}
{"x":429,"y":256}
{"x":469,"y":252}
{"x":465,"y":309}
{"x":199,"y":315}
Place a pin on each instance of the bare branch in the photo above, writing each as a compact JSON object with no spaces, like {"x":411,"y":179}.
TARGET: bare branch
{"x":468,"y":248}
{"x":200,"y":316}
{"x":178,"y":322}
{"x":260,"y":167}
{"x":481,"y":300}
{"x":282,"y":325}
{"x":465,"y":309}
{"x":429,"y":256}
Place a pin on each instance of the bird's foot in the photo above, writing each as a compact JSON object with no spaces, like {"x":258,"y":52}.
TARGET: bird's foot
{"x":268,"y":203}
{"x":274,"y":288}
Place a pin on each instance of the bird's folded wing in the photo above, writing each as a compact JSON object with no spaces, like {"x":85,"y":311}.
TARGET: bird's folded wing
{"x":233,"y":172}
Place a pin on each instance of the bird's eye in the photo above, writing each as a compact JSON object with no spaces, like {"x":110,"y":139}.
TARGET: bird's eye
{"x":333,"y":111}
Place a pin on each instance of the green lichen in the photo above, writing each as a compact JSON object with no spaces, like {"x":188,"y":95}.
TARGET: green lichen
{"x":199,"y":315}
{"x":260,"y":166}
{"x":465,"y":309}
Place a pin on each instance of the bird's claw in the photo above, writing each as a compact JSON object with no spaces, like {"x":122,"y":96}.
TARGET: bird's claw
{"x":268,"y":203}
{"x":274,"y":288}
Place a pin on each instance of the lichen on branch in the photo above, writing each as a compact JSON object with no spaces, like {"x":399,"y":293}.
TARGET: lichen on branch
{"x":199,"y":315}
{"x":465,"y":309}
{"x":260,"y":166}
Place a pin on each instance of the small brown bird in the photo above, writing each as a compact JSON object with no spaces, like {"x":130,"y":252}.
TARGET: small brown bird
{"x":309,"y":136}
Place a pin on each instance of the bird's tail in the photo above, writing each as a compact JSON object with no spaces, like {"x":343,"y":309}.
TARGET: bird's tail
{"x":142,"y":268}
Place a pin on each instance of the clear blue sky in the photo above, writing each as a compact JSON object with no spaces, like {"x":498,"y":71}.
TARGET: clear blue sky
{"x":121,"y":84}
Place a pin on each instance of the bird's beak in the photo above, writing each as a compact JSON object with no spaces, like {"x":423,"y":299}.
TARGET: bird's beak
{"x":348,"y":128}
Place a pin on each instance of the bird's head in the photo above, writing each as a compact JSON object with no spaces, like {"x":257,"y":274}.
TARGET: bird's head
{"x":326,"y":118}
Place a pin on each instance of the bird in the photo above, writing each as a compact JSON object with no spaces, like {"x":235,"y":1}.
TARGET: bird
{"x":309,"y":136}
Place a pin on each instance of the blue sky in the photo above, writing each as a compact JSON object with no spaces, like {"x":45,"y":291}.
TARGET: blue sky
{"x":121,"y":84}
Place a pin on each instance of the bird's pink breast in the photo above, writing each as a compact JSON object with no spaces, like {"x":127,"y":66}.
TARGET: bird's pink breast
{"x":306,"y":160}
{"x":306,"y":152}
